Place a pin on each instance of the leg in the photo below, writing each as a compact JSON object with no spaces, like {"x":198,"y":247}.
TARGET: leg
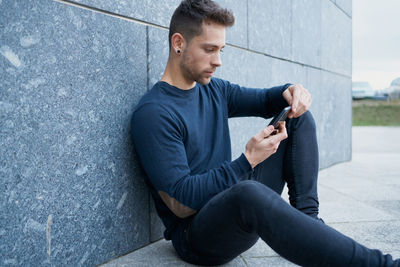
{"x":295,"y":162}
{"x":232,"y":221}
{"x":216,"y":234}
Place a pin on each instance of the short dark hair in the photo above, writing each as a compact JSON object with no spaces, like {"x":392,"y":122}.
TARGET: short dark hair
{"x":190,"y":15}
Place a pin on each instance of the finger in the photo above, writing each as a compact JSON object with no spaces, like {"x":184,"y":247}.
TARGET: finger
{"x":293,"y":111}
{"x":303,"y":104}
{"x":291,"y":114}
{"x":299,"y":113}
{"x":288,"y":96}
{"x":258,"y":137}
{"x":268,"y":130}
{"x":300,"y":110}
{"x":295,"y":100}
{"x":282,"y":131}
{"x":281,"y":134}
{"x":264,"y":133}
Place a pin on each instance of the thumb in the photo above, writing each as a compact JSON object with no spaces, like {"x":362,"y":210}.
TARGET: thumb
{"x":267,"y":131}
{"x":264,"y":133}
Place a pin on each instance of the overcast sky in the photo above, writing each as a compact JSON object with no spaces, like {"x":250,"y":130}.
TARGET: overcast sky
{"x":376,"y":41}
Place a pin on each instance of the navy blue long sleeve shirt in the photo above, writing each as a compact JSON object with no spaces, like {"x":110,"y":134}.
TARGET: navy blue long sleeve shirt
{"x":183,"y":144}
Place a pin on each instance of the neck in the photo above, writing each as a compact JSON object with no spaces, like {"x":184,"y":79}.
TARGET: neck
{"x":174,"y":76}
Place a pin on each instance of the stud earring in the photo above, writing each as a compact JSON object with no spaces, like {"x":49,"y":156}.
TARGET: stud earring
{"x":178,"y":51}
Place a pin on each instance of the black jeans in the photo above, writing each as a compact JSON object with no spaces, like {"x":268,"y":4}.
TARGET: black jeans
{"x":233,"y":220}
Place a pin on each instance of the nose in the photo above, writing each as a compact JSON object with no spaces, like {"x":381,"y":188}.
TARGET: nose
{"x":216,"y":60}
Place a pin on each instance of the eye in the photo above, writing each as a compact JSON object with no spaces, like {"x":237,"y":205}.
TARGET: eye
{"x":209,"y":50}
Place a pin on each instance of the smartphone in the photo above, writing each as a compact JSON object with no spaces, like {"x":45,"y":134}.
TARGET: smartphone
{"x":281,"y":117}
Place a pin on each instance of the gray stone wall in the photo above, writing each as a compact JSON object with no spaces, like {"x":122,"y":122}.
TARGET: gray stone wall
{"x":71,"y":73}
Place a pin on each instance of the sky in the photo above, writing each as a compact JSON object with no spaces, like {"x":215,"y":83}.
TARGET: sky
{"x":376,"y":42}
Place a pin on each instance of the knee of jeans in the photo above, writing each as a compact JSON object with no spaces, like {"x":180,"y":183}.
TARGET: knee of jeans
{"x":306,"y":119}
{"x":249,"y":192}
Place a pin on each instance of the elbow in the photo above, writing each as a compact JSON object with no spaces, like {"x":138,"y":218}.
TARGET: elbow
{"x":179,"y":209}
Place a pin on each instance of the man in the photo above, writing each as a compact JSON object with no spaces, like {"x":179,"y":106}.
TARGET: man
{"x":214,"y":208}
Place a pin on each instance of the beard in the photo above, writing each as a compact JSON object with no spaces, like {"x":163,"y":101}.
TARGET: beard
{"x":190,"y":74}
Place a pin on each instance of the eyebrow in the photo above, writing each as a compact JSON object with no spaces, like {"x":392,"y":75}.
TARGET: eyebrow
{"x":213,"y":45}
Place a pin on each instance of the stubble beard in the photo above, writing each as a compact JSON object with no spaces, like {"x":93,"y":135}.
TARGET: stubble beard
{"x":189,"y":74}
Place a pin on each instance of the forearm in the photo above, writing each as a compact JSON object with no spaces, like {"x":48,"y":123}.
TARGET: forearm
{"x":274,"y":100}
{"x":243,"y":101}
{"x":185,"y":194}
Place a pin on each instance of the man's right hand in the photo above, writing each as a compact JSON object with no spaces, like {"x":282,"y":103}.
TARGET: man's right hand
{"x":263,"y":144}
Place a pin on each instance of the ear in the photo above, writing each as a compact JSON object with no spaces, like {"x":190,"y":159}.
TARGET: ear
{"x":177,"y":42}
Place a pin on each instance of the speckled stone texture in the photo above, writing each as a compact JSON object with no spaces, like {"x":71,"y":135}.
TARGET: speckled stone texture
{"x":332,"y":112}
{"x":156,"y":12}
{"x":72,"y":193}
{"x":306,"y":32}
{"x":72,"y":189}
{"x":270,"y":27}
{"x":237,"y":35}
{"x":158,"y":51}
{"x":336,"y":39}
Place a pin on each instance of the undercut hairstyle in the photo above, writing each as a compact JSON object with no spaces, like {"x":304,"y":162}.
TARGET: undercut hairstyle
{"x":189,"y":16}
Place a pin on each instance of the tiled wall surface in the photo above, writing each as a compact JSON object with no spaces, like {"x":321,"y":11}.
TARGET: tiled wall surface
{"x":71,"y":73}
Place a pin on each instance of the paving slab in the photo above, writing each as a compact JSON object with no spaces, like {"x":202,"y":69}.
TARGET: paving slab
{"x":359,"y":198}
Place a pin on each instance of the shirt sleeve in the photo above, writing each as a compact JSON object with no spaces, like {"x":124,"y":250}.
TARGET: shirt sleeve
{"x":243,"y":101}
{"x":158,"y":141}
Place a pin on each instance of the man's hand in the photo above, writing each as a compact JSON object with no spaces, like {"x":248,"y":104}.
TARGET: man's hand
{"x":263,"y":144}
{"x":298,"y":98}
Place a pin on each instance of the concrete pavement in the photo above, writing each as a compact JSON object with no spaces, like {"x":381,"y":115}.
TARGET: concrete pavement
{"x":360,"y":198}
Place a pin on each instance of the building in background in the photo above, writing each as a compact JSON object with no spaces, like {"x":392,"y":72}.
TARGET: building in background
{"x":393,"y":91}
{"x":362,"y":90}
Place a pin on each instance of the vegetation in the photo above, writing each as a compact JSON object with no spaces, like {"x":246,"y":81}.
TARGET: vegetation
{"x":376,"y":113}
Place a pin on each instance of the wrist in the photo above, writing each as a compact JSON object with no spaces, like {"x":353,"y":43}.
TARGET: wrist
{"x":249,"y":159}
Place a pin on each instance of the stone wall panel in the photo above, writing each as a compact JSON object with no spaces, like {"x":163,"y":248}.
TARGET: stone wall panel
{"x":336,"y":41}
{"x":306,"y":32}
{"x":157,"y":12}
{"x":270,"y":27}
{"x":72,"y":192}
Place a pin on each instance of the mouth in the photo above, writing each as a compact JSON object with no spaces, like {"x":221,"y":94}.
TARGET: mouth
{"x":210,"y":73}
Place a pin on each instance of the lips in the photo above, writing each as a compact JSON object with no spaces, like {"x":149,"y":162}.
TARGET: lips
{"x":210,"y":73}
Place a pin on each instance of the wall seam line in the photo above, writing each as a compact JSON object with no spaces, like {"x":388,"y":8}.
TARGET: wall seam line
{"x":291,"y":30}
{"x":247,"y":23}
{"x":341,"y":9}
{"x":78,"y":5}
{"x":147,"y":58}
{"x":288,"y":60}
{"x":109,"y":13}
{"x":148,"y":85}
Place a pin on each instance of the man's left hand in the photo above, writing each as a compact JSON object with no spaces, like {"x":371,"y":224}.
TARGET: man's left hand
{"x":298,"y":98}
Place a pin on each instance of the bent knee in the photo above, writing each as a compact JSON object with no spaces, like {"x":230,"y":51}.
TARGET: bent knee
{"x":307,"y":120}
{"x":249,"y":191}
{"x":247,"y":186}
{"x":308,"y":116}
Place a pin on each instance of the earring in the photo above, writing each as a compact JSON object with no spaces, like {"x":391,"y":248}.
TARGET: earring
{"x":178,"y":51}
